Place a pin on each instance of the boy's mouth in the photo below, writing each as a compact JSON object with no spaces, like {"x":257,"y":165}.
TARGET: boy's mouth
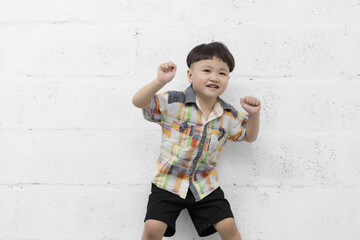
{"x":215,"y":86}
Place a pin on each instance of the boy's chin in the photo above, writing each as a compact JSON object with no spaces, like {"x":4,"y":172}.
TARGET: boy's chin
{"x":214,"y":92}
{"x":211,"y":95}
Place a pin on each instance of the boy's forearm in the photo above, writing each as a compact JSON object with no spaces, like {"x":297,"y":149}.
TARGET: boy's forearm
{"x":252,"y":128}
{"x":143,"y":97}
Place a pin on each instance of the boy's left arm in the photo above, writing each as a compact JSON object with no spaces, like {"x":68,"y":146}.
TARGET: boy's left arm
{"x":252,"y":105}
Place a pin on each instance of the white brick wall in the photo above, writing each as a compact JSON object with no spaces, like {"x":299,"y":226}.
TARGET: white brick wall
{"x":75,"y":161}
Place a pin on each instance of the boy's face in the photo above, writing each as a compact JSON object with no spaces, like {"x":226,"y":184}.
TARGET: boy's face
{"x":209,"y":78}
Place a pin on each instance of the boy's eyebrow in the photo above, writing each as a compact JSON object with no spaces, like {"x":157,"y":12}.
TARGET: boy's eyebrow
{"x":209,"y":66}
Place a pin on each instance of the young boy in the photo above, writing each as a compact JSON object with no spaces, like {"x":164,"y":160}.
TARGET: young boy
{"x":196,"y":124}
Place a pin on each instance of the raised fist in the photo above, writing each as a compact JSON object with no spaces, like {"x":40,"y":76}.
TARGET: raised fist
{"x":166,"y":72}
{"x":251,"y":104}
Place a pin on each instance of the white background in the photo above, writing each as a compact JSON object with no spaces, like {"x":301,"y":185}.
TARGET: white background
{"x":76,"y":157}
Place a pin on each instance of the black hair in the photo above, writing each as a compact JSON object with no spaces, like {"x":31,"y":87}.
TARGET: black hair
{"x":210,"y":50}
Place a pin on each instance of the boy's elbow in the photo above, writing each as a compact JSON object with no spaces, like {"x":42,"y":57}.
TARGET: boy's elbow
{"x":250,"y":139}
{"x":247,"y":140}
{"x":135,"y":102}
{"x":139,"y":105}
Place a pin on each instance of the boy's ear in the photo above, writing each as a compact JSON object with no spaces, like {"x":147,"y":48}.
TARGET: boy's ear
{"x":189,"y":74}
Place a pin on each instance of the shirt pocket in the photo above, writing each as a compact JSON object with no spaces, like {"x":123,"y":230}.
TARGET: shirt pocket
{"x":217,"y":139}
{"x":181,"y":139}
{"x":182,"y":133}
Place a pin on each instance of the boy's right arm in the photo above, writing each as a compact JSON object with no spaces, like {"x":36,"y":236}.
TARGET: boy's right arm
{"x":165,"y":74}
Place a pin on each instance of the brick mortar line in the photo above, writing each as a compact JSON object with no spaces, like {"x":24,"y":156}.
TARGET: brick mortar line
{"x":316,"y":132}
{"x":117,"y":185}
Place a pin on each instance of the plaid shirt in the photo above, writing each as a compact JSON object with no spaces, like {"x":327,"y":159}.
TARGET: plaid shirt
{"x":191,"y":144}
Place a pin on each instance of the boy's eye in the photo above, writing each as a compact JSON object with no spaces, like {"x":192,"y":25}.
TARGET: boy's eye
{"x":206,"y":70}
{"x":224,"y":74}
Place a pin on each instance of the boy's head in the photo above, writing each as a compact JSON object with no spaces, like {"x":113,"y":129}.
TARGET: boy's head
{"x":209,"y":68}
{"x":209,"y":51}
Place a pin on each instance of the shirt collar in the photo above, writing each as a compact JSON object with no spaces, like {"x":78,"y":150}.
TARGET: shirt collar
{"x":191,"y":98}
{"x":190,"y":95}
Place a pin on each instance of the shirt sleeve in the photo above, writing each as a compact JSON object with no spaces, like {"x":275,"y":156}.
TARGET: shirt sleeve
{"x":237,"y":131}
{"x":158,"y":108}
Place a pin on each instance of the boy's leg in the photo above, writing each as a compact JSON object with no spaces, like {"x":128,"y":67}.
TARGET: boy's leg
{"x":227,"y":229}
{"x":162,"y":211}
{"x":153,"y":230}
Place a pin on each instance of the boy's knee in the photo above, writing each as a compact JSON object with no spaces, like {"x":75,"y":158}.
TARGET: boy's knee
{"x":228,"y":230}
{"x":154,"y":230}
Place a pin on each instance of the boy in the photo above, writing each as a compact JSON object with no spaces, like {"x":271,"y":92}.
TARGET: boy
{"x":195,"y":127}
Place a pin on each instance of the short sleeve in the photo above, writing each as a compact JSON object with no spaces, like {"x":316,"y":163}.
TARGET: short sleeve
{"x":238,"y":129}
{"x":158,"y":108}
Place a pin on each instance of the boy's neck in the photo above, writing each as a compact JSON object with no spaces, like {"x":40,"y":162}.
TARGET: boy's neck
{"x":206,"y":105}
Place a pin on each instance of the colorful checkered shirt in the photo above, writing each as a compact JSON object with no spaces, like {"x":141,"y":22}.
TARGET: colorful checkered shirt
{"x":191,"y":144}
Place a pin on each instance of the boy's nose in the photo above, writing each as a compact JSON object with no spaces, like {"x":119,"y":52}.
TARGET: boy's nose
{"x":214,"y":77}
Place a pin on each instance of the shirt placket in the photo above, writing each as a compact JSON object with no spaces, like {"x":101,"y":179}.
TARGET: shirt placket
{"x":195,"y":162}
{"x":192,"y":174}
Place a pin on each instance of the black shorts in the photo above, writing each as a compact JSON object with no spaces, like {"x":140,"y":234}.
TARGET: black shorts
{"x":165,"y":206}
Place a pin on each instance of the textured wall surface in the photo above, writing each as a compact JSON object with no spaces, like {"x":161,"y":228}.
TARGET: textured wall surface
{"x":76,"y":157}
